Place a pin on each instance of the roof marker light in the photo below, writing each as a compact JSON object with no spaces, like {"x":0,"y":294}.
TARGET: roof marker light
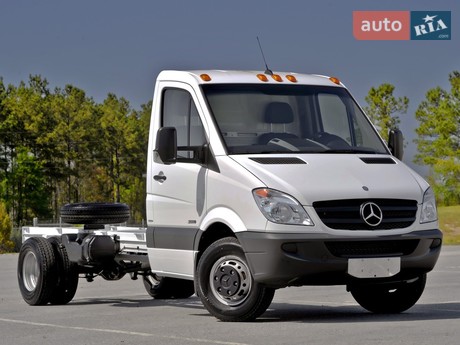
{"x":277,"y":77}
{"x":262,"y":77}
{"x":291,"y":78}
{"x":335,"y":80}
{"x":205,"y":77}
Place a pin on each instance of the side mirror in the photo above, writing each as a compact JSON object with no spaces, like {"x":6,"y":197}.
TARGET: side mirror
{"x":166,"y":145}
{"x":396,"y":143}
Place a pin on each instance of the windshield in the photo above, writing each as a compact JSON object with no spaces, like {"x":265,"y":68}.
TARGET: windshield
{"x":254,"y":118}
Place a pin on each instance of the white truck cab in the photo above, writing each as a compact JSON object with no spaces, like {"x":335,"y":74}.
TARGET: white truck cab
{"x":258,"y":181}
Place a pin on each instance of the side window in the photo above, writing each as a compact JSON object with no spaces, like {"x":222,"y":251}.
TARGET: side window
{"x":334,"y":116}
{"x":179,"y":111}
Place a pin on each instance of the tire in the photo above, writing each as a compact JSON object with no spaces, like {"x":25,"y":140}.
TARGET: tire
{"x":225,"y":284}
{"x":392,"y":299}
{"x":37,"y":270}
{"x":95,"y":213}
{"x":67,"y":274}
{"x":166,"y":288}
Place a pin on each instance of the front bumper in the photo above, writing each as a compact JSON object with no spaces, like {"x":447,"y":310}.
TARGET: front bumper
{"x":279,"y":260}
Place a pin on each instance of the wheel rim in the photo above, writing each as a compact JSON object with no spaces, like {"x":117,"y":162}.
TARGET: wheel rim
{"x":30,"y":271}
{"x":230,"y":280}
{"x":152,"y":280}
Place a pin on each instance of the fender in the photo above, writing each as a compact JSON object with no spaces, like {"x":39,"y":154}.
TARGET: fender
{"x":223,"y":215}
{"x":219,"y":215}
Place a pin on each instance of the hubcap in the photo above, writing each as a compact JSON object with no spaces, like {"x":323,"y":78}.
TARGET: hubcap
{"x":30,"y":271}
{"x":230,"y":280}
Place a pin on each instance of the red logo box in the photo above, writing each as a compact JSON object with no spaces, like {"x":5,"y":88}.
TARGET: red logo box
{"x":381,"y":25}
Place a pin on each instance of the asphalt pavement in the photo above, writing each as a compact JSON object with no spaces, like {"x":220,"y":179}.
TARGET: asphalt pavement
{"x":121,"y":312}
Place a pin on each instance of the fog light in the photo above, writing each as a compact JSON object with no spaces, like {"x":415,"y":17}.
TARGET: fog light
{"x":436,"y":243}
{"x":289,"y":248}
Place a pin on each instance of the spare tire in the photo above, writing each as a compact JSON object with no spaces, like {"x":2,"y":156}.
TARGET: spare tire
{"x":95,"y":213}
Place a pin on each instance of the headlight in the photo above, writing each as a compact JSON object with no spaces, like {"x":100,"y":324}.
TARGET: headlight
{"x":280,"y":208}
{"x":429,"y":213}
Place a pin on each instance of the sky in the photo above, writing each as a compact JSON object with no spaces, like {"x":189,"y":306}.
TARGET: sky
{"x":120,"y":46}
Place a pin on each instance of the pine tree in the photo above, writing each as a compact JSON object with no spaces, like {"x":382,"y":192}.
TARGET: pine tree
{"x":438,"y":139}
{"x":383,"y":107}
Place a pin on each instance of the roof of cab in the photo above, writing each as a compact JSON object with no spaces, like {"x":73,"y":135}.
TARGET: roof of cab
{"x":243,"y":77}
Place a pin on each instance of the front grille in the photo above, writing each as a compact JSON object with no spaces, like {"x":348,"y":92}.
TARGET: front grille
{"x":345,"y":214}
{"x":356,"y":249}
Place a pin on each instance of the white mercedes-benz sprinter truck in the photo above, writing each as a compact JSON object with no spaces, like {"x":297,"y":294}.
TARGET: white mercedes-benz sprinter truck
{"x":258,"y":181}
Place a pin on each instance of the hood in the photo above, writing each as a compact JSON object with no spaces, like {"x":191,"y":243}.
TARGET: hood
{"x":320,"y":177}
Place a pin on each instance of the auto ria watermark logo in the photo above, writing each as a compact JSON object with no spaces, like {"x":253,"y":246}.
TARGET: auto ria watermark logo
{"x":402,"y":25}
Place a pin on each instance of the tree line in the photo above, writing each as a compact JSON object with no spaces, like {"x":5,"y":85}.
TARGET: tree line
{"x":60,"y":146}
{"x":438,"y":133}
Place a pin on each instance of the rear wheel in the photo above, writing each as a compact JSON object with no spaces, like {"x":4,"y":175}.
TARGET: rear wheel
{"x":165,"y":287}
{"x":225,"y":284}
{"x":389,"y":299}
{"x":37,"y":271}
{"x":67,"y":275}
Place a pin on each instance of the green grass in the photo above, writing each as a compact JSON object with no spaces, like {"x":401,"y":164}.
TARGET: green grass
{"x":449,"y":222}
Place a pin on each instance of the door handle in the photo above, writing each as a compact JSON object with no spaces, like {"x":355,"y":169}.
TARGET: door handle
{"x":159,"y":178}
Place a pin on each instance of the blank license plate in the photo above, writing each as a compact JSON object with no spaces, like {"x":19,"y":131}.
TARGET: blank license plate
{"x":374,"y":267}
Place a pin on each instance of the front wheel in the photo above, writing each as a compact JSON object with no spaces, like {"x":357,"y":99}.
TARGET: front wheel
{"x":389,"y":299}
{"x":225,"y":284}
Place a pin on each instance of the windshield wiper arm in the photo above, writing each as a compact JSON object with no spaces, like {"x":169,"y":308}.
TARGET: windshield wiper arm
{"x":357,"y":150}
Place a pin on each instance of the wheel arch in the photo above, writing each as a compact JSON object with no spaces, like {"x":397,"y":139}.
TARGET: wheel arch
{"x":220,"y":222}
{"x":213,"y":233}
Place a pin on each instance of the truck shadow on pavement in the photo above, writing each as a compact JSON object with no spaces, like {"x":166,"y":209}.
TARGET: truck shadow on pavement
{"x":281,"y":312}
{"x":285,"y":312}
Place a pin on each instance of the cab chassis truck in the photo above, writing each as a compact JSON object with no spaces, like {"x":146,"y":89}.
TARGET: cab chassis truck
{"x":255,"y":181}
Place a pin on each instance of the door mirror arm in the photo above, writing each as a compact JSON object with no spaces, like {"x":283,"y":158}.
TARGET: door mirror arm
{"x":208,"y":158}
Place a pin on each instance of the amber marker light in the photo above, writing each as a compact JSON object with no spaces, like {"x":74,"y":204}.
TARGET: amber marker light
{"x":277,"y":77}
{"x":335,"y":80}
{"x":291,"y":78}
{"x":205,"y":77}
{"x":262,"y":77}
{"x":263,"y":193}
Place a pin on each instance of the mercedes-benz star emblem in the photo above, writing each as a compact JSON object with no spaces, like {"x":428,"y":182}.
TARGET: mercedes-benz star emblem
{"x":371,"y":213}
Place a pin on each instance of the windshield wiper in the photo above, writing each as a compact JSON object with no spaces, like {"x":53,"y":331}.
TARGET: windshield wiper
{"x":351,"y":150}
{"x":275,"y":151}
